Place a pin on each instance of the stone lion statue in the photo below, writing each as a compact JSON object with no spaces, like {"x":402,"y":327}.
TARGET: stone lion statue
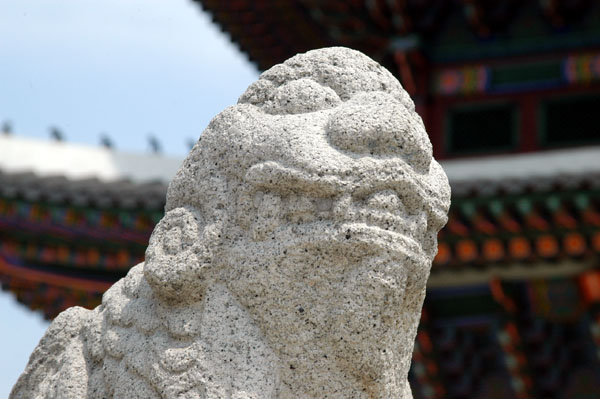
{"x":291,"y":261}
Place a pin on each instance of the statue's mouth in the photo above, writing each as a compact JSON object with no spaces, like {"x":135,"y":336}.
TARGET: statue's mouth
{"x":286,"y":198}
{"x":380,"y":237}
{"x":379,"y":217}
{"x":384,"y":214}
{"x":347,"y":237}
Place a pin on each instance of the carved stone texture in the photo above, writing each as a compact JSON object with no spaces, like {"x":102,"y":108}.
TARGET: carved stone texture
{"x":291,"y":261}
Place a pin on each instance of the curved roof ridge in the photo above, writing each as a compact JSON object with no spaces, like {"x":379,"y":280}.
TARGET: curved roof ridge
{"x":76,"y":162}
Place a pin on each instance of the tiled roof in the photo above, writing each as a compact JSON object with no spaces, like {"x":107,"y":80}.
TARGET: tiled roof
{"x":78,"y":162}
{"x":90,"y":192}
{"x":270,"y":31}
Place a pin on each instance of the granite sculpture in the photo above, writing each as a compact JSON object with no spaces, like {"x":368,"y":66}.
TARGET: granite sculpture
{"x":291,"y":261}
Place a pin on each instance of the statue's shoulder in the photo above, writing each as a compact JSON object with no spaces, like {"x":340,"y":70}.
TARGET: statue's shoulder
{"x":67,"y":361}
{"x":57,"y":366}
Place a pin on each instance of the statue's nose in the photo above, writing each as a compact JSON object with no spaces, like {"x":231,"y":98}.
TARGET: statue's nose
{"x":376,"y":124}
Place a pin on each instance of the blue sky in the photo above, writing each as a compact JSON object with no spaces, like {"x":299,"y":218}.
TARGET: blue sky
{"x":128,"y":68}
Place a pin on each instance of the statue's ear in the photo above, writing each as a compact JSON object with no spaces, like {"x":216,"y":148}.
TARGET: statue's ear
{"x":179,"y":255}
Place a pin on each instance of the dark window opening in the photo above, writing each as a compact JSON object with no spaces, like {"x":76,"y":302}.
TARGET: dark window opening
{"x":488,"y":128}
{"x":571,"y":121}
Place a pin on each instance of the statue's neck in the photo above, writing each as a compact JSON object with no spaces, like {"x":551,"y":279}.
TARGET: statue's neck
{"x":313,"y":376}
{"x":311,"y":321}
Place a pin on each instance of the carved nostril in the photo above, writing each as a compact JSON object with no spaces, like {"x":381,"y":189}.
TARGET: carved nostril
{"x":368,"y":130}
{"x":376,"y":124}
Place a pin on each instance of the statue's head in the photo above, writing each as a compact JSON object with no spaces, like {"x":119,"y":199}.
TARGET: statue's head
{"x":317,"y":202}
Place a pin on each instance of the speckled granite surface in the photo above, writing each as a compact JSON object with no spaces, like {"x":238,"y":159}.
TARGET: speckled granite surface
{"x":291,"y":262}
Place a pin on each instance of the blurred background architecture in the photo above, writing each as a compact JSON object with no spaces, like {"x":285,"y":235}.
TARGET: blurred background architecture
{"x":510,"y":94}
